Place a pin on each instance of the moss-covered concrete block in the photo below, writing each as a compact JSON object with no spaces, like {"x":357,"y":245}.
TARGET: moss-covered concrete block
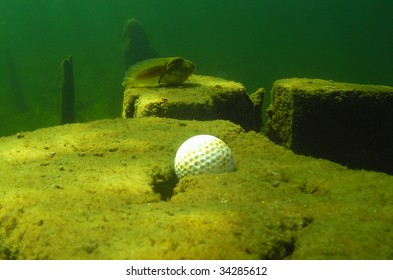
{"x":348,"y":123}
{"x":200,"y":98}
{"x":107,"y":190}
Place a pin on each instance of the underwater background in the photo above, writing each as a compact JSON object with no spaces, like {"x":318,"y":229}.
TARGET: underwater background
{"x":254,"y":42}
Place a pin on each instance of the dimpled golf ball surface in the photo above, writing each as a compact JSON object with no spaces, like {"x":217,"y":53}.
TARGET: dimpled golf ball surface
{"x":203,"y":154}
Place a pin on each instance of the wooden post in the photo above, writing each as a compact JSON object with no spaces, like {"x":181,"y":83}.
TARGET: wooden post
{"x":67,"y":91}
{"x":13,"y":80}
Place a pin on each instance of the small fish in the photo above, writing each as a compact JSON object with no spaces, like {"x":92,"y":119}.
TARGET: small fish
{"x":172,"y":71}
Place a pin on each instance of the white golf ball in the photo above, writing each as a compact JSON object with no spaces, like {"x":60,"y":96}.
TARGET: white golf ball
{"x":203,"y":154}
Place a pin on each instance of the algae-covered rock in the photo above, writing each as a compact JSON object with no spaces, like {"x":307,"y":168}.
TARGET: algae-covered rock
{"x":107,"y":190}
{"x":199,"y":98}
{"x":347,"y":123}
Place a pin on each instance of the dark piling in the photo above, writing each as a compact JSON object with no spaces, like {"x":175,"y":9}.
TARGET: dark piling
{"x":14,"y":80}
{"x":136,"y":46}
{"x":67,"y":91}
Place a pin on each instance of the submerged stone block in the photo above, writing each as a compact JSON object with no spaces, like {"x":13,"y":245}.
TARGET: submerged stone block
{"x":106,"y":190}
{"x":200,"y":98}
{"x":351,"y":124}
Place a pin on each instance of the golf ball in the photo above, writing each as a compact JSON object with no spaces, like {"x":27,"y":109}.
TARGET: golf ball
{"x":203,"y":154}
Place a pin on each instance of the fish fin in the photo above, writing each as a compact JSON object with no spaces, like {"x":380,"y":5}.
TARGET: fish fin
{"x":150,"y":72}
{"x":163,"y":72}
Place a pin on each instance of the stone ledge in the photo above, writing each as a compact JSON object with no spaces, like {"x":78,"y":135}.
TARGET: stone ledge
{"x":347,"y":123}
{"x":92,"y":191}
{"x":200,"y":98}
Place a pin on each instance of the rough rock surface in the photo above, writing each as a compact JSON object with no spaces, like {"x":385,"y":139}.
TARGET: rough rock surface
{"x":200,"y":98}
{"x":104,"y":190}
{"x":350,"y":124}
